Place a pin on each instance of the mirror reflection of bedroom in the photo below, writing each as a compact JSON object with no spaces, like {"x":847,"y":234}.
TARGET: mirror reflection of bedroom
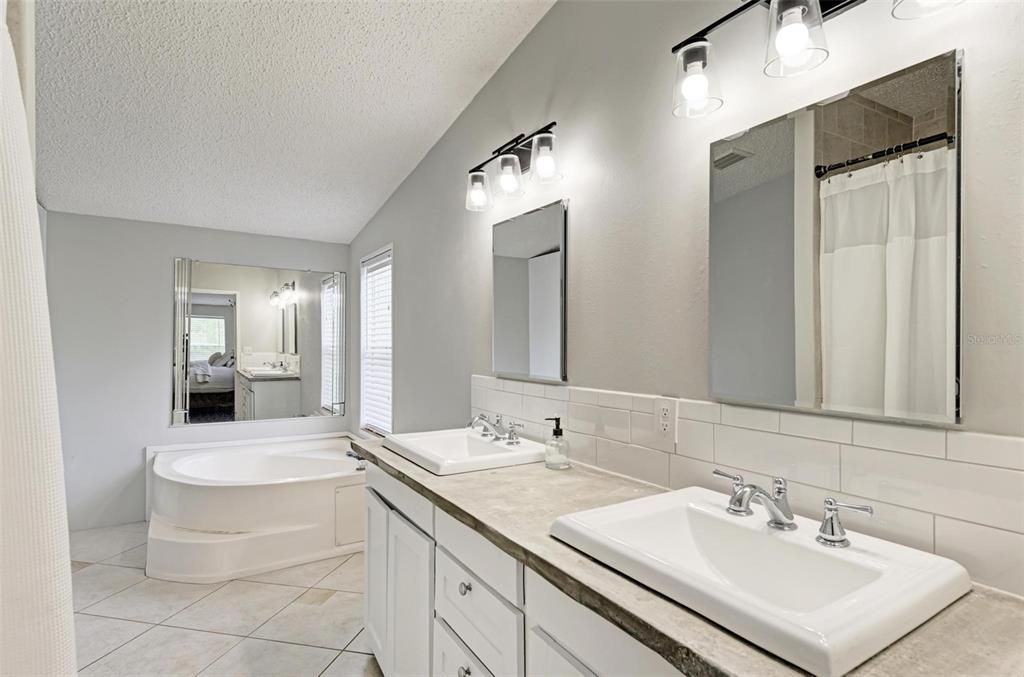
{"x":256,"y":343}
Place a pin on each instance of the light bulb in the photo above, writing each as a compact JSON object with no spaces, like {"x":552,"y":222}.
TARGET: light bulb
{"x":792,"y":39}
{"x":508,"y":181}
{"x":545,"y":164}
{"x":477,"y":196}
{"x":695,"y":85}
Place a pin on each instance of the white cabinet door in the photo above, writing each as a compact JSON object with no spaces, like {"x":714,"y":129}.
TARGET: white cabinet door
{"x":410,"y":595}
{"x":547,"y":658}
{"x":376,"y":577}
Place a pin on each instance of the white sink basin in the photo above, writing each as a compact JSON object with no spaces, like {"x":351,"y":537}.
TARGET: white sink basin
{"x":823,"y":609}
{"x":448,"y":452}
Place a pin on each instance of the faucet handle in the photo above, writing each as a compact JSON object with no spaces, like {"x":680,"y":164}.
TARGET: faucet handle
{"x":779,"y":487}
{"x":737,"y":480}
{"x":831,"y":532}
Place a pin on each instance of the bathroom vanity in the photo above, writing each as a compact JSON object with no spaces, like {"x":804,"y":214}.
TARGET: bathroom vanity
{"x":463,"y":579}
{"x":267,"y":395}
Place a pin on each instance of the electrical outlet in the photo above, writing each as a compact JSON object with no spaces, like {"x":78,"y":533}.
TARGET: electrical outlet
{"x":665,"y":414}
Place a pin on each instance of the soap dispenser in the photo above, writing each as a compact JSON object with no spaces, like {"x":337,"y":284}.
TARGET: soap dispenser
{"x":556,"y":450}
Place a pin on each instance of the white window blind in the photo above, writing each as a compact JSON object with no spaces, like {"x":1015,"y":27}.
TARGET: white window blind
{"x":330,"y":345}
{"x":375,"y":354}
{"x":207,"y":337}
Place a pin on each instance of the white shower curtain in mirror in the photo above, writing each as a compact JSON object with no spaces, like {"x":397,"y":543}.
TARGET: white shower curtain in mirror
{"x":888,"y":281}
{"x":36,"y":622}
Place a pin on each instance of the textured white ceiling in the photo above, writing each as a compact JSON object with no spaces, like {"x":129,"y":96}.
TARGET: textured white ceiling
{"x":286,"y":118}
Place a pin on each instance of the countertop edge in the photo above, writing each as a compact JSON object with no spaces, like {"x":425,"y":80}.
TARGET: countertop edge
{"x":676,"y":654}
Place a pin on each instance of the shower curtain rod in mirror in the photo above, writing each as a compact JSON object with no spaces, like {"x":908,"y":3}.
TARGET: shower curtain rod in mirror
{"x":821,"y":171}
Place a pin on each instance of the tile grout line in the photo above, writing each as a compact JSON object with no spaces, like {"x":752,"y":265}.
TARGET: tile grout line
{"x":117,"y":647}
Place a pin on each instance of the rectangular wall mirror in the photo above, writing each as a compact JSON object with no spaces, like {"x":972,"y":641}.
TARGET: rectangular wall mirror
{"x":253,"y":343}
{"x":529,"y":295}
{"x":834,"y":253}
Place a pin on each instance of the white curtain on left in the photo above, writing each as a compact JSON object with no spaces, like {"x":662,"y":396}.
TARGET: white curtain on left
{"x":888,"y":288}
{"x":37,"y":634}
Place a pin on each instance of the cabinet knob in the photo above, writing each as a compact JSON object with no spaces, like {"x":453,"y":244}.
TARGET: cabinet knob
{"x":465,"y":589}
{"x":465,"y":672}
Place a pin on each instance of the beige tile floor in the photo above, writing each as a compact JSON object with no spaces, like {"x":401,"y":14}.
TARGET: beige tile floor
{"x":303,"y":620}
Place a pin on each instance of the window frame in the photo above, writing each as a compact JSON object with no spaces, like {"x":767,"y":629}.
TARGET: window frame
{"x":192,"y":343}
{"x":366,"y":264}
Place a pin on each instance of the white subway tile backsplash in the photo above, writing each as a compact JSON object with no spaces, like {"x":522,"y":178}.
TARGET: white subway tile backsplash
{"x":818,"y":427}
{"x":749,"y":417}
{"x":505,"y":403}
{"x":700,"y":410}
{"x":797,"y":459}
{"x":582,"y":448}
{"x":991,"y":556}
{"x":584,"y":418}
{"x":539,"y":408}
{"x":909,"y":439}
{"x":643,"y":403}
{"x":615,"y":424}
{"x":583,"y":395}
{"x":921,"y":498}
{"x":614,"y":400}
{"x":534,"y":389}
{"x":645,"y":430}
{"x":512,"y":386}
{"x":695,"y":439}
{"x":556,"y":393}
{"x":1000,"y":450}
{"x":641,"y":463}
{"x":991,"y":496}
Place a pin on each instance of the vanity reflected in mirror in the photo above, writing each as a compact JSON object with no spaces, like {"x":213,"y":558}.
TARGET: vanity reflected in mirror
{"x":834,"y":253}
{"x":253,"y":343}
{"x":529,"y":295}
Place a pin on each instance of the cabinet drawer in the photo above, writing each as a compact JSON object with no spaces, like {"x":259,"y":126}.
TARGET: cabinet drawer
{"x":451,"y":657}
{"x":501,"y":571}
{"x":491,"y":627}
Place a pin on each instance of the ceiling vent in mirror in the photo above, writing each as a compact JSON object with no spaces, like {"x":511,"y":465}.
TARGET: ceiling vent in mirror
{"x":730,"y":157}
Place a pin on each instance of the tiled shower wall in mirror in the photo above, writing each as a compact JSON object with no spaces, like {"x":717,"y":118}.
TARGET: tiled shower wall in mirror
{"x":958,"y":494}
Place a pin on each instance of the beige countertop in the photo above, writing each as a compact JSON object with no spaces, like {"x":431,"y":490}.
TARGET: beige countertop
{"x":982,"y":634}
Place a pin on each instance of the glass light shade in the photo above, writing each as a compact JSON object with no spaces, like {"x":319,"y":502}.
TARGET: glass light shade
{"x":696,"y":92}
{"x":916,"y":9}
{"x":796,"y":38}
{"x":510,"y":175}
{"x":544,"y":165}
{"x":478,"y":191}
{"x":275,"y":299}
{"x":287,"y":295}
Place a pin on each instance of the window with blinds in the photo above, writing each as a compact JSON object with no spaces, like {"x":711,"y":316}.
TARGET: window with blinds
{"x":330,"y":345}
{"x":375,"y":348}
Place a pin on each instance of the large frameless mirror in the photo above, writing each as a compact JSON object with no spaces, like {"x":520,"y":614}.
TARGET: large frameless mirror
{"x":529,"y":295}
{"x":253,"y":343}
{"x":834,"y":253}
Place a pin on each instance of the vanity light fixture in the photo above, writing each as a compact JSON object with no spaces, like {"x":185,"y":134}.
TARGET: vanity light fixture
{"x":916,"y":9}
{"x":796,"y":39}
{"x":275,"y":299}
{"x":478,"y":191}
{"x":536,"y":153}
{"x":697,"y":92}
{"x":510,"y":175}
{"x":288,"y":295}
{"x":544,"y":159}
{"x":796,"y":44}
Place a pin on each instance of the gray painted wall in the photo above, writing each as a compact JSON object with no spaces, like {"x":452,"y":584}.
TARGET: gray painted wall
{"x":637,"y":180}
{"x":512,"y":321}
{"x":110,"y":283}
{"x":751,"y":291}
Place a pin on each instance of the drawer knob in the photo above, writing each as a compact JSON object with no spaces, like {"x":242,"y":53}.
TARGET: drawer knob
{"x":465,"y":672}
{"x":465,"y":589}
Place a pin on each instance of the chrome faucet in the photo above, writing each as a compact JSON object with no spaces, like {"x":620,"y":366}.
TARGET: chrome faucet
{"x":488,"y":429}
{"x":776,"y":503}
{"x":831,"y":532}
